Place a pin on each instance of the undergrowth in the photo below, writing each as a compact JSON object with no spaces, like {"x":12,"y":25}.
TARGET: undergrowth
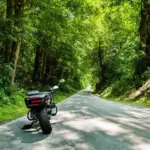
{"x":120,"y":91}
{"x":12,"y":103}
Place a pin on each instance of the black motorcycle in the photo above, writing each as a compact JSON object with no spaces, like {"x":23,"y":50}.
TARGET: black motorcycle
{"x":42,"y":107}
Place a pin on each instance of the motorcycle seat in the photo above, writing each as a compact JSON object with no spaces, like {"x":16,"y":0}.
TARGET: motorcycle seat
{"x":31,"y":93}
{"x":37,"y":94}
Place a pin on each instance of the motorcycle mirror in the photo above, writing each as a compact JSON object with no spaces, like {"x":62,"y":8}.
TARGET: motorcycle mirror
{"x":55,"y":87}
{"x":61,"y":81}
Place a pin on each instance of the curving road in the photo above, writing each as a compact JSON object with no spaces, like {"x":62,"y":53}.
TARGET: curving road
{"x":84,"y":122}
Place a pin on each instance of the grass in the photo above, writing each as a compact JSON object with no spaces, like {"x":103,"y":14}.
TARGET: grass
{"x":60,"y":96}
{"x":119,"y":91}
{"x":143,"y":101}
{"x":108,"y":94}
{"x":14,"y":106}
{"x":9,"y":113}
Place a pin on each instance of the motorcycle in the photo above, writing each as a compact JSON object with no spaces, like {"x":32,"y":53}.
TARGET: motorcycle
{"x":42,"y":107}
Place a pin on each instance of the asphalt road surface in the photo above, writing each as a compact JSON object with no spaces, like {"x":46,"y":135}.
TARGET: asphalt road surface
{"x":84,"y":122}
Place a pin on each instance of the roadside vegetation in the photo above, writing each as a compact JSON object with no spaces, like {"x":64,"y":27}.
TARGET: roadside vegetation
{"x":103,"y":43}
{"x":13,"y":106}
{"x":133,"y":96}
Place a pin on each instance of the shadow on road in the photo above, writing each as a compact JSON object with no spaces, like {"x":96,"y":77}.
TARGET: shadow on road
{"x":84,"y":122}
{"x":105,"y":125}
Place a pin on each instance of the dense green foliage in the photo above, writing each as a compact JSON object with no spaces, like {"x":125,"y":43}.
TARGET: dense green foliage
{"x":118,"y":44}
{"x":55,"y":39}
{"x":104,"y":43}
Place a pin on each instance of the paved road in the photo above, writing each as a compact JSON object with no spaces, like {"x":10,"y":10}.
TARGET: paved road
{"x":84,"y":122}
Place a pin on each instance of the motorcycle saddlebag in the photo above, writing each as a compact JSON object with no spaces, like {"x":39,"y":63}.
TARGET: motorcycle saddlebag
{"x":38,"y":100}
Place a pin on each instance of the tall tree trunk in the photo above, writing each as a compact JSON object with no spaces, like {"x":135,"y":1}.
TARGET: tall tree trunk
{"x":43,"y":66}
{"x":47,"y":68}
{"x":47,"y":65}
{"x":2,"y":52}
{"x":145,"y":28}
{"x":18,"y":11}
{"x":144,"y":62}
{"x":53,"y":71}
{"x":9,"y":17}
{"x":14,"y":59}
{"x":101,"y":68}
{"x":37,"y":73}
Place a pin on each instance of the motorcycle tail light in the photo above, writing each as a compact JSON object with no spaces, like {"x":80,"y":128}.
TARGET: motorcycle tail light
{"x":34,"y":100}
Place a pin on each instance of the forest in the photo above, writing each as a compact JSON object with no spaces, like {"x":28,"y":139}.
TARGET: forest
{"x":103,"y":43}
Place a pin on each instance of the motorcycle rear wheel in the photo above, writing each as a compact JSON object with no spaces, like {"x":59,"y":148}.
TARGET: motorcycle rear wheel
{"x":44,"y":121}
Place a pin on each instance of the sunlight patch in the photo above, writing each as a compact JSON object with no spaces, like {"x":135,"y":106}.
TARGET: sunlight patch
{"x":83,"y":146}
{"x":97,"y":124}
{"x":70,"y":135}
{"x":142,"y":147}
